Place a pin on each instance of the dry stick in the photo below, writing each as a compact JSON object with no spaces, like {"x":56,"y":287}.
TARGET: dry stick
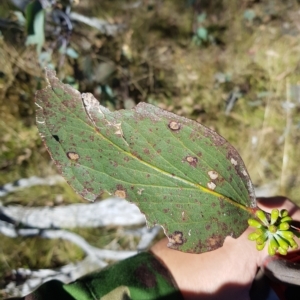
{"x":114,"y":211}
{"x":267,"y":112}
{"x":94,"y":259}
{"x":286,"y":148}
{"x":64,"y":274}
{"x":102,"y":25}
{"x":11,"y":231}
{"x":109,"y":212}
{"x":85,"y":246}
{"x":29,"y":182}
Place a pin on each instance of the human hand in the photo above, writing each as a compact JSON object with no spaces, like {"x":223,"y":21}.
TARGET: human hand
{"x":226,"y":273}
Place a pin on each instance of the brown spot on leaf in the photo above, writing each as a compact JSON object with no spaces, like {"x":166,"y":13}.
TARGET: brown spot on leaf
{"x":217,"y":139}
{"x":174,"y":126}
{"x":136,"y":154}
{"x":176,"y":238}
{"x":120,"y":192}
{"x":213,"y":175}
{"x":214,"y":242}
{"x":222,"y":203}
{"x":211,"y":185}
{"x":146,"y":151}
{"x":73,"y":155}
{"x":140,"y":191}
{"x":233,"y":161}
{"x":114,"y":163}
{"x":191,"y":160}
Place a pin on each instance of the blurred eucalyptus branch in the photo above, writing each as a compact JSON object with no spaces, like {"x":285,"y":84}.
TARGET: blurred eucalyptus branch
{"x":54,"y":20}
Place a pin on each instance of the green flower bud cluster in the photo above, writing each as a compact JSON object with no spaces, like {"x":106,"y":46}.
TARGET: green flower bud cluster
{"x":275,"y":229}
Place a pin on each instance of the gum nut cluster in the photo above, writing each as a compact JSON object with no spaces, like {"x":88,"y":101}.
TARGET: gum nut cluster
{"x":276,"y":230}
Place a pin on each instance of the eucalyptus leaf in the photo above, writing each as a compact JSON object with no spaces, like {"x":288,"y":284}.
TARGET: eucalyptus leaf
{"x":249,"y":15}
{"x":72,"y":53}
{"x":35,"y":19}
{"x":202,"y":33}
{"x":201,"y":18}
{"x":179,"y":173}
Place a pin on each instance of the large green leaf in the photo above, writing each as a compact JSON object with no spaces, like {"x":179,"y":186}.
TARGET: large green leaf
{"x":181,"y":174}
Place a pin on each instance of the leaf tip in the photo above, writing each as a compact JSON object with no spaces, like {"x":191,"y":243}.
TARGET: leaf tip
{"x":50,"y":74}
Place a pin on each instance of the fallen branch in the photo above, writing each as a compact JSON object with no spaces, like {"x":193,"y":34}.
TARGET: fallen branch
{"x":113,"y":211}
{"x":29,"y":182}
{"x":31,"y":279}
{"x":43,"y":220}
{"x":11,"y":231}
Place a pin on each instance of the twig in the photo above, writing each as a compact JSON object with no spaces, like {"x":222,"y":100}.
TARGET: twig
{"x":133,"y":5}
{"x":286,"y":148}
{"x":101,"y":25}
